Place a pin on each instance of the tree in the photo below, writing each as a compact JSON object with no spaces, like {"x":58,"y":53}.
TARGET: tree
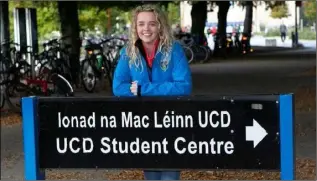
{"x":279,"y":11}
{"x":68,"y":15}
{"x":90,"y":18}
{"x":103,"y":14}
{"x":222,"y":17}
{"x":310,"y":10}
{"x":173,"y":11}
{"x":199,"y":17}
{"x":247,"y":25}
{"x":272,"y":4}
{"x":47,"y":19}
{"x":249,"y":5}
{"x":47,"y":16}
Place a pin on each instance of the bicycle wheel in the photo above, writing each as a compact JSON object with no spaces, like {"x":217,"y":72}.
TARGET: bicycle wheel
{"x":14,"y":93}
{"x":62,"y":86}
{"x":2,"y":98}
{"x":4,"y":75}
{"x":109,"y":68}
{"x":206,"y":53}
{"x":189,"y":54}
{"x":88,"y":77}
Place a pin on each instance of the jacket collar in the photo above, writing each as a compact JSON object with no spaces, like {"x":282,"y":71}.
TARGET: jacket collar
{"x":139,"y":45}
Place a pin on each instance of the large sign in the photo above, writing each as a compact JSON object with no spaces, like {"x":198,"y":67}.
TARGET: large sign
{"x":242,"y":132}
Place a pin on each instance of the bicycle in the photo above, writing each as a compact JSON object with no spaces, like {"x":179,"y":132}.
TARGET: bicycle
{"x":3,"y":68}
{"x":193,"y":50}
{"x":20,"y":84}
{"x":100,"y":61}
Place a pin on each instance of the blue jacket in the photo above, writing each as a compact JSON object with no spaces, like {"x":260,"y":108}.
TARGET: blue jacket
{"x":165,"y":79}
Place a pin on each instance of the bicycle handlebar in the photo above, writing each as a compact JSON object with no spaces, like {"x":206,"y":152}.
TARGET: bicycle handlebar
{"x":9,"y":43}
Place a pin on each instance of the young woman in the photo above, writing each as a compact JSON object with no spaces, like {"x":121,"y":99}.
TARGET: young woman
{"x":152,"y":64}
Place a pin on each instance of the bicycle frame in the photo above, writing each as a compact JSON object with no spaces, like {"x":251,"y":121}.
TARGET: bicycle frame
{"x":42,"y":83}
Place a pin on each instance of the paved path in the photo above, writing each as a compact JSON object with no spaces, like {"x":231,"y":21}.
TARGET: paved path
{"x":260,"y":41}
{"x":260,"y":74}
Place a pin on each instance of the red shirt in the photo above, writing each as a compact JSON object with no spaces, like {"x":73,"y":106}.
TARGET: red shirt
{"x":150,"y":58}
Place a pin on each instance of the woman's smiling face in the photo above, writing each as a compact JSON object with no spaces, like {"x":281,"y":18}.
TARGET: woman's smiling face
{"x":147,"y":27}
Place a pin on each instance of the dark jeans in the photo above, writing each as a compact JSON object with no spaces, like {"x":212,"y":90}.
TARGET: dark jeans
{"x":162,"y":175}
{"x":283,"y":36}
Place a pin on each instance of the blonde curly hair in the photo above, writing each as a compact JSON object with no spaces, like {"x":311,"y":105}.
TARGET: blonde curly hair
{"x":165,"y":33}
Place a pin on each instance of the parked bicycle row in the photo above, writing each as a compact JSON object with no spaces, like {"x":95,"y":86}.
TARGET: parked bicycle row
{"x":52,"y":72}
{"x":194,"y":50}
{"x":17,"y":79}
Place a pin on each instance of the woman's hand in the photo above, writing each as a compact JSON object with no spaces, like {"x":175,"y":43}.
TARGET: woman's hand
{"x":134,"y":88}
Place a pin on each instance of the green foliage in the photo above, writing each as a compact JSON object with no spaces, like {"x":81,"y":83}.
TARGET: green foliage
{"x":123,"y":5}
{"x":48,"y":19}
{"x":273,"y":32}
{"x":310,"y":10}
{"x":90,"y":18}
{"x":173,"y":12}
{"x":47,"y":16}
{"x":268,"y":4}
{"x":92,"y":15}
{"x":272,"y":4}
{"x":23,"y":4}
{"x":279,"y":11}
{"x":305,"y":34}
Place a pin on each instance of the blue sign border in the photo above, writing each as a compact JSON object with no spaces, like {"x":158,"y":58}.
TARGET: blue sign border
{"x":30,"y":138}
{"x":287,"y":137}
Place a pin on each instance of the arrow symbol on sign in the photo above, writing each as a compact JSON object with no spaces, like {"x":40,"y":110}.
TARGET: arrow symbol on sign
{"x":255,"y":133}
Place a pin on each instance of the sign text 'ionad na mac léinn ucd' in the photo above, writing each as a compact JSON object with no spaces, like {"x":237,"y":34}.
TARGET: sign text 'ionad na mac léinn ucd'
{"x":163,"y":134}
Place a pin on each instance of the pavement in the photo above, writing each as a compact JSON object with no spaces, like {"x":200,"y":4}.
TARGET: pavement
{"x":262,"y":73}
{"x":258,"y":40}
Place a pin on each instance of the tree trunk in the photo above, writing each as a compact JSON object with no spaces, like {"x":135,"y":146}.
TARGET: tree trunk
{"x":222,"y":28}
{"x":68,"y":14}
{"x":247,"y":30}
{"x":4,"y":27}
{"x":199,"y":17}
{"x":222,"y":18}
